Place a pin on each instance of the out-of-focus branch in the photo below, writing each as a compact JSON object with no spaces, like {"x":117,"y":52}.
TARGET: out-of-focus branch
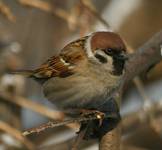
{"x":142,"y":117}
{"x":146,"y":56}
{"x":138,"y":83}
{"x":47,"y":7}
{"x":77,"y":18}
{"x":67,"y":144}
{"x":17,"y":134}
{"x":36,"y":107}
{"x":94,"y":13}
{"x":6,"y":11}
{"x":23,"y":102}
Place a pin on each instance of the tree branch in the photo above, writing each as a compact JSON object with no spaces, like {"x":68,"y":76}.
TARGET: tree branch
{"x":65,"y":122}
{"x":146,"y":56}
{"x":111,"y":141}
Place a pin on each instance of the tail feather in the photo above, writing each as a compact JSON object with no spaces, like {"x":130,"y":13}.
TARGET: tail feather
{"x":27,"y":73}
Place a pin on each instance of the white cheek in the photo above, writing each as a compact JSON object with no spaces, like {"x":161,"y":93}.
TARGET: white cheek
{"x":110,"y":60}
{"x":109,"y":65}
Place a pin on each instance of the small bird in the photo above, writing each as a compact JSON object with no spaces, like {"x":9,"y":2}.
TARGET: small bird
{"x":85,"y":72}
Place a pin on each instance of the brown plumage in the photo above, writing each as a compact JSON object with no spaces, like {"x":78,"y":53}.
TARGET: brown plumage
{"x":110,"y":40}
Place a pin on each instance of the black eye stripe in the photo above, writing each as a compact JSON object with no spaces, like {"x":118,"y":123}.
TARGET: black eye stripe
{"x":101,"y":58}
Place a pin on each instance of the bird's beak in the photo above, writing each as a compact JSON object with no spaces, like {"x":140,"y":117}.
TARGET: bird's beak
{"x":122,"y":57}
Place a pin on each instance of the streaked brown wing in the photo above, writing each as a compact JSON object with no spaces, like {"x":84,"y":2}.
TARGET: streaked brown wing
{"x":64,"y":64}
{"x":55,"y":66}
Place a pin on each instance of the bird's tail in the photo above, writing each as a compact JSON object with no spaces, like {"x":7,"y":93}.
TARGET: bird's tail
{"x":26,"y":73}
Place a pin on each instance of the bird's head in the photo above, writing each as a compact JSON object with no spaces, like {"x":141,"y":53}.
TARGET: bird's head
{"x":107,"y":49}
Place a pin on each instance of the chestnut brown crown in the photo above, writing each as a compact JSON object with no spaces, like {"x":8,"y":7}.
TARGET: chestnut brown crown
{"x":104,"y":40}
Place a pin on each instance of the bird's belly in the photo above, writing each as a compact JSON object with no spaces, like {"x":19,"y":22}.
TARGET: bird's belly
{"x":74,"y":91}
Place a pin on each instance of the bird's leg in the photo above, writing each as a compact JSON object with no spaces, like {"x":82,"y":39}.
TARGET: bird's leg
{"x":88,"y":112}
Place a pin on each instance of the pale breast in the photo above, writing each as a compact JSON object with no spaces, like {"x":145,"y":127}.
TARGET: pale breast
{"x":74,"y":91}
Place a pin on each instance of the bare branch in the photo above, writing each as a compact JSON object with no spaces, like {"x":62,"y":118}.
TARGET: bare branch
{"x":146,"y":56}
{"x":56,"y":124}
{"x":65,"y":122}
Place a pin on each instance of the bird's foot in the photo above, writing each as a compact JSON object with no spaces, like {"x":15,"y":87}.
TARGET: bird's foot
{"x":88,"y":112}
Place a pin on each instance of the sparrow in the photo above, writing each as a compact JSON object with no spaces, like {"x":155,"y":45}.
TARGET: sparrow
{"x":85,"y":72}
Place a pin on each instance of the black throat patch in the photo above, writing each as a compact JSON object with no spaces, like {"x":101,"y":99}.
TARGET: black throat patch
{"x":118,"y":66}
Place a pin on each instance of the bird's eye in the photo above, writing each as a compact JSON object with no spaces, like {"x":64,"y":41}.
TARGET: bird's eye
{"x":109,"y":51}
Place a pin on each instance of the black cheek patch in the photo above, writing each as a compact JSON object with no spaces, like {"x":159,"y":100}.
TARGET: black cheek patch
{"x":101,"y":58}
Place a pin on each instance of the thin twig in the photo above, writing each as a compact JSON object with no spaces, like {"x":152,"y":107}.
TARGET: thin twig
{"x":65,"y":122}
{"x":56,"y":124}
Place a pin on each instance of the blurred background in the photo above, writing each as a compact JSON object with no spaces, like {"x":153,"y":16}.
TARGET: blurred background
{"x":33,"y":30}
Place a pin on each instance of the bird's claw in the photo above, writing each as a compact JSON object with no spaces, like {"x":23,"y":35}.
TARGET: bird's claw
{"x":99,"y":115}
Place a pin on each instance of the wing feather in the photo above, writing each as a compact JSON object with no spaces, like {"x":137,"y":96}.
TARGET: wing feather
{"x":64,"y":64}
{"x":52,"y":68}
